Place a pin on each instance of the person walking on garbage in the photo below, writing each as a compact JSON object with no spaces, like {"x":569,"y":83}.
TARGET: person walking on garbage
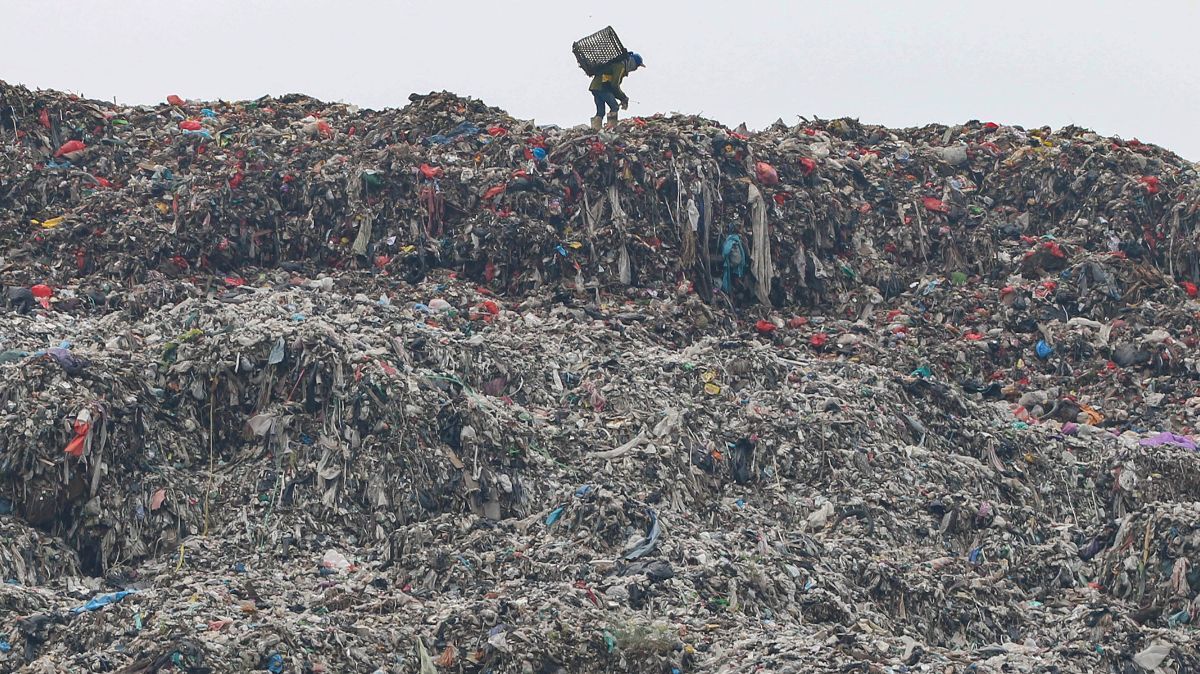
{"x":606,"y":88}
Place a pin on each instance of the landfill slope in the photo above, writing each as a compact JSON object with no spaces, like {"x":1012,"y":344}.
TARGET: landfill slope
{"x":291,"y":386}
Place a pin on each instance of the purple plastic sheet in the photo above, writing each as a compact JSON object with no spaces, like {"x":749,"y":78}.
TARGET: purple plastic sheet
{"x":1166,"y":438}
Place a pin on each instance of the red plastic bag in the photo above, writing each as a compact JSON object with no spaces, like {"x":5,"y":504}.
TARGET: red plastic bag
{"x":190,"y":125}
{"x":430,"y":172}
{"x":1190,"y":288}
{"x":44,"y":118}
{"x":1055,"y":249}
{"x":818,"y":340}
{"x":43,"y":293}
{"x":764,"y":327}
{"x":494,"y":192}
{"x":935,"y":205}
{"x":75,"y":446}
{"x":175,"y":100}
{"x":767,"y":174}
{"x":807,"y":165}
{"x":69,"y":147}
{"x":1151,"y":184}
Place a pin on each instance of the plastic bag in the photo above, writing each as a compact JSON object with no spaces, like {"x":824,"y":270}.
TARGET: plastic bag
{"x":70,"y":147}
{"x":766,"y":173}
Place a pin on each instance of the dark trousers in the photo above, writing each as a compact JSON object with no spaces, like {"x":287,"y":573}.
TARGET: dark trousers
{"x":604,"y":96}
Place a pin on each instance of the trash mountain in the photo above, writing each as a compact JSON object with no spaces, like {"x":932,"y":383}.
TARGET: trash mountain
{"x":293,"y":386}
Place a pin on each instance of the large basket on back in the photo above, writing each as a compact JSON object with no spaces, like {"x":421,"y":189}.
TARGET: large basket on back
{"x":598,"y":50}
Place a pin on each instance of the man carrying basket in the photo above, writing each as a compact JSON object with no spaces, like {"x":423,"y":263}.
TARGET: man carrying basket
{"x":602,"y":56}
{"x":606,"y":88}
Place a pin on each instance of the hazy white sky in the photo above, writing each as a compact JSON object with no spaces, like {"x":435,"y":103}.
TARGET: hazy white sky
{"x":1124,"y":68}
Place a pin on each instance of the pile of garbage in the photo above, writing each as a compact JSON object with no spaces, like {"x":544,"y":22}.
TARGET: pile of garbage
{"x":806,"y":214}
{"x":297,"y":387}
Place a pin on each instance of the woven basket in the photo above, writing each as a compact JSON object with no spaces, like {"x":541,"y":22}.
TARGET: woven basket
{"x":598,"y":50}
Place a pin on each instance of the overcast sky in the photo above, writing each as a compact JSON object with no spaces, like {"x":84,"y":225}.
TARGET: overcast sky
{"x":1121,"y":68}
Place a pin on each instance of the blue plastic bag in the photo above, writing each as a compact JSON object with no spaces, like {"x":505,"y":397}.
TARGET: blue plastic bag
{"x":1043,"y":349}
{"x":101,"y":601}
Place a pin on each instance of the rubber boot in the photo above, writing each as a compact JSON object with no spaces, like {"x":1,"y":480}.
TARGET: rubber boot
{"x":612,"y":120}
{"x":596,"y":122}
